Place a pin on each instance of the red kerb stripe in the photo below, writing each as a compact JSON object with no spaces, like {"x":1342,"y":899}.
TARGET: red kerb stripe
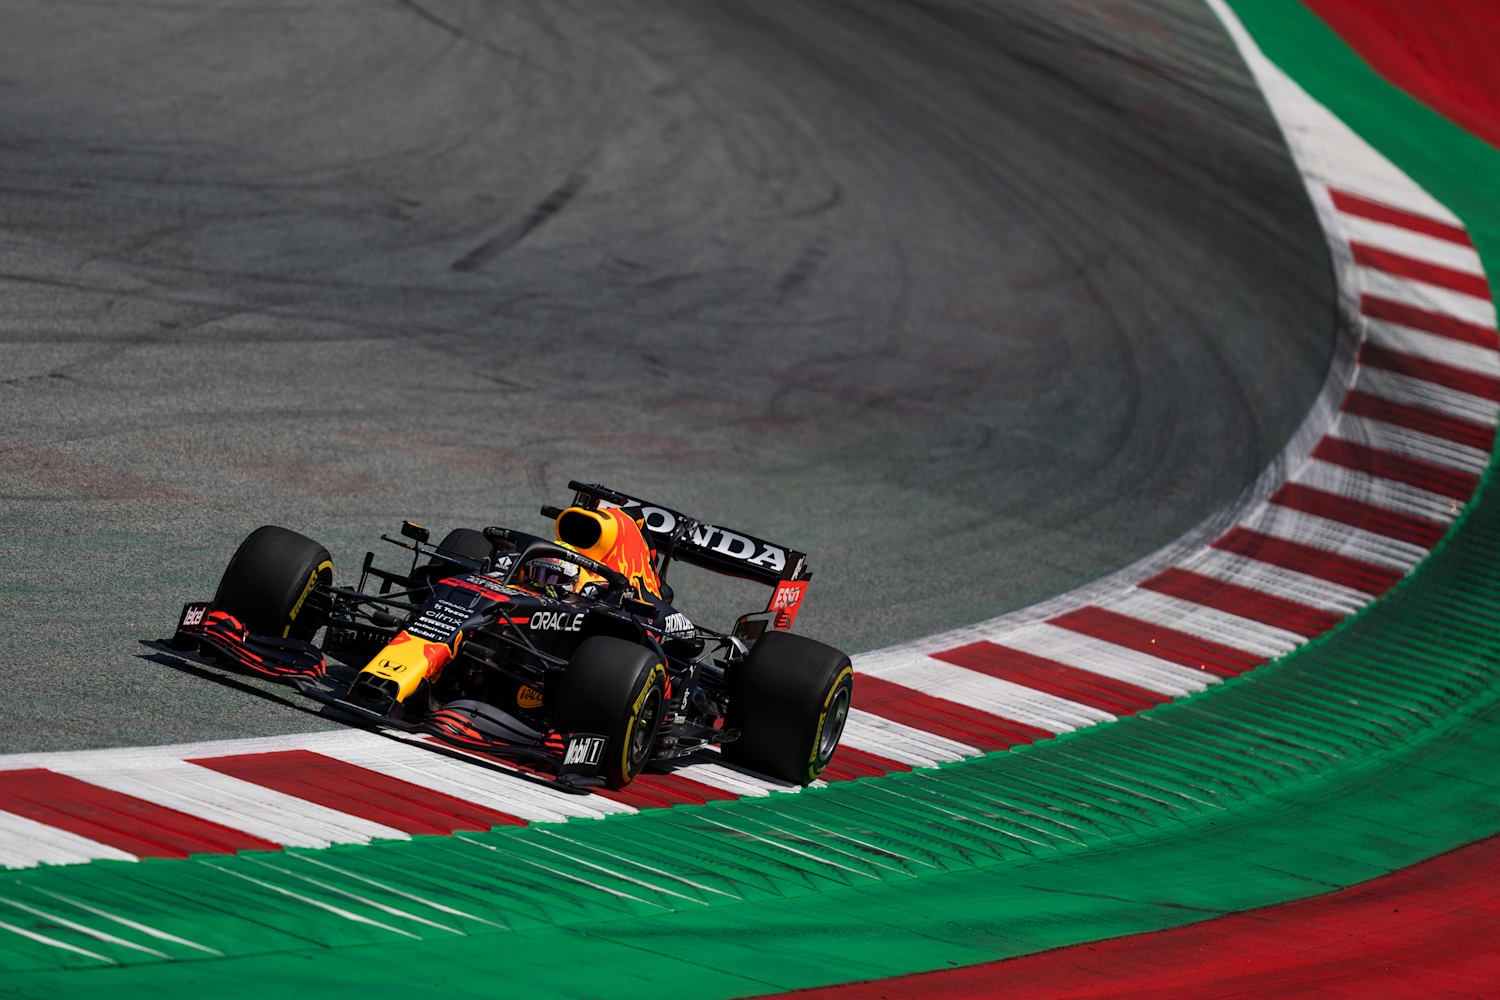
{"x":941,"y":716}
{"x":1358,"y":514}
{"x":1426,"y":272}
{"x":1435,"y":323}
{"x":1353,"y":204}
{"x":1325,"y":565}
{"x":358,"y":791}
{"x":1158,"y":640}
{"x":1243,"y":601}
{"x":1082,"y":686}
{"x":124,"y":822}
{"x":1388,"y":465}
{"x":1450,"y":376}
{"x":1455,"y":429}
{"x":849,"y":763}
{"x":659,"y":791}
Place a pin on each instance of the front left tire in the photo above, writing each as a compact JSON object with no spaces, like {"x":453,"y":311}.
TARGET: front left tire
{"x":617,"y":689}
{"x":268,"y":581}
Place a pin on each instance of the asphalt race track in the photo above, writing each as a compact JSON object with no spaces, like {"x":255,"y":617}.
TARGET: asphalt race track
{"x":975,"y":302}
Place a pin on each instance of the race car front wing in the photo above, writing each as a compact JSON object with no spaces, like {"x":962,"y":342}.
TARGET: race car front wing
{"x":571,"y":759}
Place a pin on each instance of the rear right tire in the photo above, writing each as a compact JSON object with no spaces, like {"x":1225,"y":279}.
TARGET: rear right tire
{"x":464,"y":542}
{"x":789,"y":699}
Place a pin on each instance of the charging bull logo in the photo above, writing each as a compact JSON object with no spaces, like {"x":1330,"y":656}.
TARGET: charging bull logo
{"x":611,"y":536}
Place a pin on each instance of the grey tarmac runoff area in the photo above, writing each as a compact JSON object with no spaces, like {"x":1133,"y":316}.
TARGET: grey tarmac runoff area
{"x":973,"y":301}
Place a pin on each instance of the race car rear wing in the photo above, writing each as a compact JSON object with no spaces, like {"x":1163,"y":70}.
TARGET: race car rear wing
{"x":675,"y":535}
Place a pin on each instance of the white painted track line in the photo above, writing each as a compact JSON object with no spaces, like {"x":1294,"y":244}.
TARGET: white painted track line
{"x":719,"y":775}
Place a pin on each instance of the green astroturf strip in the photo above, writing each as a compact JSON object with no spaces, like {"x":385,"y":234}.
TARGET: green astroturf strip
{"x":1457,"y":168}
{"x":1370,"y":749}
{"x":1367,"y":750}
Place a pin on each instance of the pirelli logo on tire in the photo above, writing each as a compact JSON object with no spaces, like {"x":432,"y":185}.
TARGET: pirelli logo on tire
{"x":307,"y":588}
{"x":640,"y":699}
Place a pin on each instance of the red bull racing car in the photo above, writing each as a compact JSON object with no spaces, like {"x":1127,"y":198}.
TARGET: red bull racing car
{"x":563,"y":655}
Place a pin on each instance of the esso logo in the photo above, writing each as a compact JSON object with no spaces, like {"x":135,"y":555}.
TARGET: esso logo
{"x":787,"y":595}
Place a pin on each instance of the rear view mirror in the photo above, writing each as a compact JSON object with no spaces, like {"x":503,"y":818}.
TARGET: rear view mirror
{"x":414,"y":531}
{"x":639,"y":607}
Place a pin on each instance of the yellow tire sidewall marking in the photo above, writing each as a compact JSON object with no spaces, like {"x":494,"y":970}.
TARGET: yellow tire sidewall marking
{"x":635,"y":714}
{"x":823,"y":719}
{"x":306,"y":589}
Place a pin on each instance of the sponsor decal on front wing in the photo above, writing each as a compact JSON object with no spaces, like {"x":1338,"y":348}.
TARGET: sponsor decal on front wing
{"x":583,"y":751}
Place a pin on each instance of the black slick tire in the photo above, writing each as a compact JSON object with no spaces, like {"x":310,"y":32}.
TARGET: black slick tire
{"x":267,"y":583}
{"x":789,"y":699}
{"x":464,"y":542}
{"x":617,"y":689}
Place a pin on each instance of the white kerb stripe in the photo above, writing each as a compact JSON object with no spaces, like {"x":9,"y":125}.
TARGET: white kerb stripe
{"x":1412,"y":391}
{"x":1324,"y":148}
{"x":474,"y":782}
{"x":1335,"y":536}
{"x":1411,"y":443}
{"x":998,"y":697}
{"x":25,"y":843}
{"x":1286,"y":584}
{"x":712,"y":772}
{"x":232,"y":802}
{"x":1387,"y":493}
{"x":889,"y":739}
{"x":1410,"y":243}
{"x":1444,"y":350}
{"x":1469,"y":308}
{"x":1084,"y":652}
{"x":1221,"y":627}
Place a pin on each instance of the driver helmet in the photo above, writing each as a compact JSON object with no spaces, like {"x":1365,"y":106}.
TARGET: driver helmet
{"x":550,"y":573}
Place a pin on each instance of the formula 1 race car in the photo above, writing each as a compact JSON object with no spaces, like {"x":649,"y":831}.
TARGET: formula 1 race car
{"x":564,"y":656}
